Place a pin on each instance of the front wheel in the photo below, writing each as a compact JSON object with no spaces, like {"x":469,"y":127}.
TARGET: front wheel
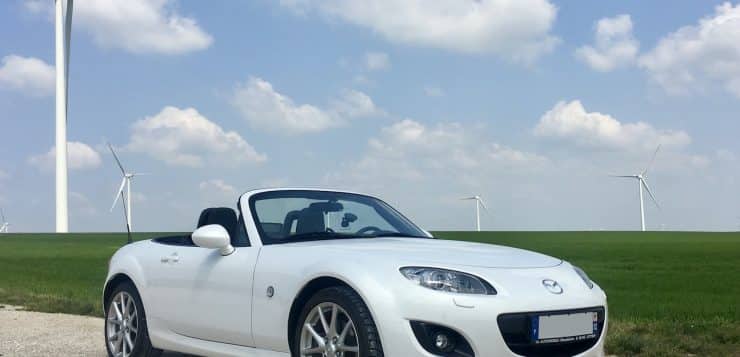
{"x":336,"y":323}
{"x":126,"y":333}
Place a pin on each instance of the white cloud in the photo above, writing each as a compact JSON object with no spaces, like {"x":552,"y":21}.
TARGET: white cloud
{"x":410,"y":150}
{"x":694,"y":57}
{"x":570,"y":122}
{"x":217,"y":187}
{"x":138,"y":26}
{"x":516,"y":30}
{"x":377,"y":61}
{"x":721,"y":154}
{"x":266,"y":109}
{"x":614,"y":46}
{"x":80,"y":156}
{"x":184,"y":137}
{"x":28,"y":75}
{"x":39,"y":6}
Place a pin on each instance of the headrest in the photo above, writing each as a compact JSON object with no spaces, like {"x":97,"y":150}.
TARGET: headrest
{"x":310,"y":220}
{"x":224,"y":216}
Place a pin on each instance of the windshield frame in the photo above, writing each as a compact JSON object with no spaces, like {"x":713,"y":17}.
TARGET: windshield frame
{"x":304,"y":193}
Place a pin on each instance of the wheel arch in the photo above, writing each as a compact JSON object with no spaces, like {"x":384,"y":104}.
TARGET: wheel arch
{"x":114,"y":281}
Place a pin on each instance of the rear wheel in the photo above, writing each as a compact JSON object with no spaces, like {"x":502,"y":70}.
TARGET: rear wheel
{"x":126,"y":333}
{"x":336,"y":323}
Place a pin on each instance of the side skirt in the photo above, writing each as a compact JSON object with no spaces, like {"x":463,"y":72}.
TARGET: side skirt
{"x":165,"y":339}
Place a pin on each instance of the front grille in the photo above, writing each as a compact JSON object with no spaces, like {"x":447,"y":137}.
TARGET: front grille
{"x":516,"y":329}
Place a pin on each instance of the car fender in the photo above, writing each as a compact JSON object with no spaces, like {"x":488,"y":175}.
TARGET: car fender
{"x":271,"y":315}
{"x":123,"y":262}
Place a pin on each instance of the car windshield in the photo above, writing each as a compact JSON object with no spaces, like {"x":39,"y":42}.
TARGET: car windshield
{"x":301,"y":215}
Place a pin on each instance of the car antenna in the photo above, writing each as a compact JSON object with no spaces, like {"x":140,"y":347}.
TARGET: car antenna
{"x":125,"y":217}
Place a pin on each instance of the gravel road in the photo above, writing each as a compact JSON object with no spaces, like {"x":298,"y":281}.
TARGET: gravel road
{"x":26,"y":333}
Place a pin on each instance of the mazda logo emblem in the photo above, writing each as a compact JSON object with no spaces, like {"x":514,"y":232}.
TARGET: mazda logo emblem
{"x":552,"y":286}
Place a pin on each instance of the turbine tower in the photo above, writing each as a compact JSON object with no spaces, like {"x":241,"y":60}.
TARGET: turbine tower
{"x":642,"y":183}
{"x":125,"y":183}
{"x":3,"y":223}
{"x":63,"y":27}
{"x":478,"y":204}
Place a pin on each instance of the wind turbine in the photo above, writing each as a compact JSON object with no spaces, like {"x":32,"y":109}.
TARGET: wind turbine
{"x":478,"y":204}
{"x":63,"y":33}
{"x":641,"y":182}
{"x":3,"y":224}
{"x":125,"y":183}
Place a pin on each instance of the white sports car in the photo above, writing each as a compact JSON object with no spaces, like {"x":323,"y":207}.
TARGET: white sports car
{"x":306,"y":272}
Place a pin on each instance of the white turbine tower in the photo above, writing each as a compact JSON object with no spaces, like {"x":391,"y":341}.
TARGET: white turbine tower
{"x":3,"y":223}
{"x":125,"y":183}
{"x":478,"y":204}
{"x":63,"y":27}
{"x":641,"y":182}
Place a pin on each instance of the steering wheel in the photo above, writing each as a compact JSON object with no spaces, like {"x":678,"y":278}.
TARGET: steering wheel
{"x":367,"y":229}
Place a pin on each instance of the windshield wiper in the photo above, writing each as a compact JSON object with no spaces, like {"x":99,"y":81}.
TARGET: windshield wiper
{"x":318,"y":236}
{"x":395,"y":234}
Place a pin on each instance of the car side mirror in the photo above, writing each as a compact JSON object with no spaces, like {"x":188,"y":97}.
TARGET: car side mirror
{"x":213,"y":236}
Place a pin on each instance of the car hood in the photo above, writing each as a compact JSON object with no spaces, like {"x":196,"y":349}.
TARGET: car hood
{"x":437,"y":251}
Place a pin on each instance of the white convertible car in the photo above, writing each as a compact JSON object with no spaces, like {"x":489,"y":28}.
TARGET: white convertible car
{"x":305,"y":272}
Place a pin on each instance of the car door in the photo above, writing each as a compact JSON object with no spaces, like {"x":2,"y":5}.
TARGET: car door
{"x":209,"y":296}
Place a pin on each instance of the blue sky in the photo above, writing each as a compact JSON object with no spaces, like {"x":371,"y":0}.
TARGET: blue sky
{"x":530,"y":104}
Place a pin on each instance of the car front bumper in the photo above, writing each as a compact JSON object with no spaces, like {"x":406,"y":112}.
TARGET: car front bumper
{"x":475,"y":317}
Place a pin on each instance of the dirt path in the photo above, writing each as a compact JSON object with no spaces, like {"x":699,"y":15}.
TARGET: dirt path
{"x":26,"y":333}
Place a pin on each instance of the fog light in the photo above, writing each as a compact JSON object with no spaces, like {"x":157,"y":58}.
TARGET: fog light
{"x":443,"y":342}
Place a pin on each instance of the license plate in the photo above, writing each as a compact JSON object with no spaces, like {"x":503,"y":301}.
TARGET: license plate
{"x":564,"y":328}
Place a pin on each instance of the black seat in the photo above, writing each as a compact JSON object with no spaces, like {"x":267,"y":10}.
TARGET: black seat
{"x":310,"y":220}
{"x":223,"y":216}
{"x":290,"y":218}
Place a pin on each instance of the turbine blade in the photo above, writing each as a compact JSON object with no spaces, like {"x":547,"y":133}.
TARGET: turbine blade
{"x":651,"y":161}
{"x":116,"y":157}
{"x":647,"y":188}
{"x":482,"y":203}
{"x":469,"y":198}
{"x":119,"y":193}
{"x":2,"y":216}
{"x":624,"y":176}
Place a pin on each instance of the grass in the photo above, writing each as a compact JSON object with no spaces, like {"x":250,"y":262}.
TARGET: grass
{"x":669,"y":293}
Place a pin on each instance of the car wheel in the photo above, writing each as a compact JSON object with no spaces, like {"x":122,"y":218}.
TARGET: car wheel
{"x":335,"y":322}
{"x":126,"y":331}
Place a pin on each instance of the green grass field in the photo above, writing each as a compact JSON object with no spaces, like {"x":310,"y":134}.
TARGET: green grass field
{"x":669,"y":293}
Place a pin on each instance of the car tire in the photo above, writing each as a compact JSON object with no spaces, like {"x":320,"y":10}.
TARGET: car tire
{"x":125,"y":296}
{"x":349,"y":302}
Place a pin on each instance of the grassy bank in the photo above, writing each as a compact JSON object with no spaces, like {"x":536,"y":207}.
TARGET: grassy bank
{"x":669,"y":293}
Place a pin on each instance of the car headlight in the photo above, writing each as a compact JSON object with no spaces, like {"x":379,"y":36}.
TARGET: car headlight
{"x":448,"y":280}
{"x":583,"y":276}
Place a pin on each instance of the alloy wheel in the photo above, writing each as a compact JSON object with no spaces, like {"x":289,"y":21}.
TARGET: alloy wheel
{"x":122,"y":325}
{"x":328,"y":331}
